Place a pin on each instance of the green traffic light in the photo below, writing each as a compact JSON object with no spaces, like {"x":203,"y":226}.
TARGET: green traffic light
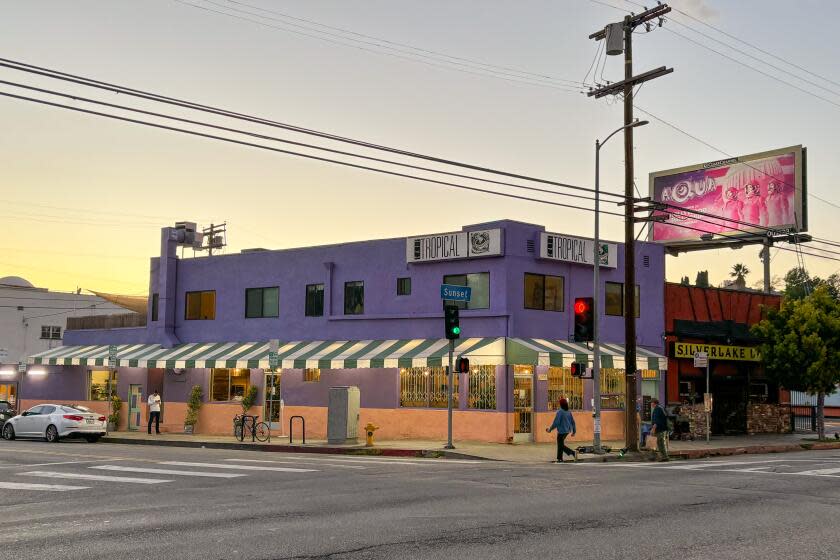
{"x":456,"y":330}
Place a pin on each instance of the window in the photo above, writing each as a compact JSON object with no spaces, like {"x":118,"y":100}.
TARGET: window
{"x":314,"y":300}
{"x":354,"y":298}
{"x":543,"y":292}
{"x":614,"y":299}
{"x":481,"y":390}
{"x":480,"y":284}
{"x":612,"y":388}
{"x":50,"y":332}
{"x":311,"y":375}
{"x":99,"y":383}
{"x":427,"y":387}
{"x":403,"y":286}
{"x":155,"y":303}
{"x":201,"y":305}
{"x":229,"y":384}
{"x":561,"y":385}
{"x":262,"y":302}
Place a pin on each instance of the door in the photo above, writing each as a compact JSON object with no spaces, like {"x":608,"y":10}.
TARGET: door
{"x":42,"y":420}
{"x":25,"y":426}
{"x":272,"y":412}
{"x":135,"y":398}
{"x":523,"y":403}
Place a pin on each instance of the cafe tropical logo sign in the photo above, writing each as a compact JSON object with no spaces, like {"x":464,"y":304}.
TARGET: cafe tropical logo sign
{"x":454,"y":245}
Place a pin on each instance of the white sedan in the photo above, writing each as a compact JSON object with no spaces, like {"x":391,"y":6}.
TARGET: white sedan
{"x":55,"y":421}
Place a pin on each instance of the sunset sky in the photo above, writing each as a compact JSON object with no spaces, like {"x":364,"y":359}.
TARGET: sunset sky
{"x":83,"y":197}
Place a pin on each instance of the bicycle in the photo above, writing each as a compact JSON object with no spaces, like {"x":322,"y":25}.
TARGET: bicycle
{"x":258,"y":431}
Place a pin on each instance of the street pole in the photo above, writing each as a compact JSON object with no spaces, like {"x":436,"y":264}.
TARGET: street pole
{"x":765,"y":258}
{"x":596,"y":351}
{"x":449,"y":396}
{"x":708,"y":413}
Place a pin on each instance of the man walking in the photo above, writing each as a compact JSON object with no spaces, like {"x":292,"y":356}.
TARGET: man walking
{"x":565,"y":424}
{"x":660,"y":429}
{"x":154,"y":411}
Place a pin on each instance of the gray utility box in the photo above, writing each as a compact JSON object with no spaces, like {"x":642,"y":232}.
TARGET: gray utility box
{"x":343,"y":415}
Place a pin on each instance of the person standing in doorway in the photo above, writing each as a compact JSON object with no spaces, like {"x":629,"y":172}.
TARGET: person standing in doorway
{"x":660,"y":429}
{"x":564,"y":422}
{"x":154,"y":411}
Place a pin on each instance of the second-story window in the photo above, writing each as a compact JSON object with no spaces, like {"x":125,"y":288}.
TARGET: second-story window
{"x":543,"y":292}
{"x":50,"y":332}
{"x":155,"y":303}
{"x":614,"y":299}
{"x":354,"y":298}
{"x":262,"y":302}
{"x":403,"y":286}
{"x":201,"y":305}
{"x":480,"y":284}
{"x":314,"y":300}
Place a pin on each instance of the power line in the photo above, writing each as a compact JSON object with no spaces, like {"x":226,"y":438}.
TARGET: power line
{"x":299,"y":154}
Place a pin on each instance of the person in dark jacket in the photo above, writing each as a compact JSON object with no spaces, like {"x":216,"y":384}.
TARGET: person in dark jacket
{"x":659,"y":429}
{"x":564,"y":422}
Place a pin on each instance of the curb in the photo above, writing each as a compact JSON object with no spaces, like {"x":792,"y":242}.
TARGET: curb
{"x":754,"y":450}
{"x":280,"y":448}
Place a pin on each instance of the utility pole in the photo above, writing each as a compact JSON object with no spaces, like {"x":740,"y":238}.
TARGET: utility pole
{"x":765,"y":259}
{"x":611,"y":34}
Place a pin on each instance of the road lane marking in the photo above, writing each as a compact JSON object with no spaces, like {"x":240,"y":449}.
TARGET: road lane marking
{"x":166,"y":471}
{"x":293,"y":463}
{"x":103,"y":478}
{"x":29,"y":465}
{"x":820,"y":472}
{"x":234,"y":467}
{"x":44,"y":487}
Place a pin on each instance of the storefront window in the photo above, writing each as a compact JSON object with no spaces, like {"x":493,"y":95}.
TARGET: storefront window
{"x":481,"y":393}
{"x":229,"y":384}
{"x":99,"y":382}
{"x":311,"y":375}
{"x":561,"y":384}
{"x":612,"y":388}
{"x":427,"y":387}
{"x":543,"y":292}
{"x":480,"y":284}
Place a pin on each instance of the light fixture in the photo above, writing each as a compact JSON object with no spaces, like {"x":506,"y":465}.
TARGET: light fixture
{"x":37,"y":371}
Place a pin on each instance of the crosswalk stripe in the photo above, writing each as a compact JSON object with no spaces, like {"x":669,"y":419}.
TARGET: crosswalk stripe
{"x":44,"y":487}
{"x":132,"y":480}
{"x":292,"y":462}
{"x":240,"y":467}
{"x":820,"y":472}
{"x":166,"y":471}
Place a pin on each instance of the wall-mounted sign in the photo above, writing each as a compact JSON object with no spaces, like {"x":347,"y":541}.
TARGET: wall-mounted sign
{"x":650,"y":374}
{"x":717,"y":352}
{"x":454,"y":245}
{"x":579,"y":250}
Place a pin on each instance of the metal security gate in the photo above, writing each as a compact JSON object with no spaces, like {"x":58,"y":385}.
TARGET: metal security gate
{"x":803,"y":412}
{"x":523,"y":404}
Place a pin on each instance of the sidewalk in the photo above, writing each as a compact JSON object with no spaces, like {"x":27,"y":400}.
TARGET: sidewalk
{"x":522,"y":452}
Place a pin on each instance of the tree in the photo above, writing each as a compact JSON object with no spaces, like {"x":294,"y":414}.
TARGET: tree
{"x":685,"y":281}
{"x":193,"y":406}
{"x":801,"y":346}
{"x":702,"y":280}
{"x":739,"y":273}
{"x":798,"y":284}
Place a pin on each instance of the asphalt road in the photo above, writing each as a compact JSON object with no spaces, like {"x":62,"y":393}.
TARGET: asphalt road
{"x":90,"y":501}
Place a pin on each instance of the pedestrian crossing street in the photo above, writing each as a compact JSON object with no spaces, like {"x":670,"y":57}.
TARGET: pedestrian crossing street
{"x":65,"y":476}
{"x":825,"y":467}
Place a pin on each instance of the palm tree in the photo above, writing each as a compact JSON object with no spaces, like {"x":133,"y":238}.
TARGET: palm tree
{"x":739,"y":273}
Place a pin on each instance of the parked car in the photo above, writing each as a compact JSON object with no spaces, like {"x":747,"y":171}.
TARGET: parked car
{"x":55,"y":421}
{"x":7,"y":410}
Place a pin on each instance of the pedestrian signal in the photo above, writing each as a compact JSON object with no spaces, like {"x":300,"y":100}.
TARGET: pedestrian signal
{"x":584,"y":320}
{"x":462,"y":365}
{"x":578,"y":369}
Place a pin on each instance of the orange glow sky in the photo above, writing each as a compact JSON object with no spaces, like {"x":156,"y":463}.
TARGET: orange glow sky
{"x":83,"y":198}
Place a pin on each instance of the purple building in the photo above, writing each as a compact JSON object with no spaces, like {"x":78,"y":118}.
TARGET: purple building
{"x":369,"y":314}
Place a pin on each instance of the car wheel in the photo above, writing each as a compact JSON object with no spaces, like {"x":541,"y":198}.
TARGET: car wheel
{"x":8,"y":432}
{"x":52,"y":434}
{"x":92,"y":439}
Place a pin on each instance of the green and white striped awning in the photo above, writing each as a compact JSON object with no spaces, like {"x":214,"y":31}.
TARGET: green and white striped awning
{"x":550,"y":352}
{"x":325,"y":354}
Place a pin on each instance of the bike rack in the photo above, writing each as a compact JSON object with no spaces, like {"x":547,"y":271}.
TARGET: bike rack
{"x":303,"y":426}
{"x":245,"y":418}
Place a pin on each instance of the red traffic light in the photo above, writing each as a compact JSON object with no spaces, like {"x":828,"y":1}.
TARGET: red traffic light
{"x":581,"y":307}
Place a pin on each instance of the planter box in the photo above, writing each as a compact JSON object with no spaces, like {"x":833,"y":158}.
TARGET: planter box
{"x":111,"y":427}
{"x":189,"y":429}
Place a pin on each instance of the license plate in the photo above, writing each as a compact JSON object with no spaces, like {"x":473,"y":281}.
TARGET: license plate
{"x":89,"y":420}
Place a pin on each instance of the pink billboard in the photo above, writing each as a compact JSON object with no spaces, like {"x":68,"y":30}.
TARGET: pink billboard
{"x":738,"y":196}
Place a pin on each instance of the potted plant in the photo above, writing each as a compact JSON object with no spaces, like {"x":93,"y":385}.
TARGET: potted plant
{"x":248,"y":399}
{"x":114,"y":417}
{"x":193,"y":406}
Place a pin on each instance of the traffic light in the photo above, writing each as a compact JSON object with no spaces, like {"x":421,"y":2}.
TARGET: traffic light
{"x":462,"y":365}
{"x":578,"y":369}
{"x":584,"y":320}
{"x":451,"y":322}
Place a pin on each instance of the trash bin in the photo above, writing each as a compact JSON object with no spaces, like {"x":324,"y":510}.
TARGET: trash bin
{"x":644,"y":432}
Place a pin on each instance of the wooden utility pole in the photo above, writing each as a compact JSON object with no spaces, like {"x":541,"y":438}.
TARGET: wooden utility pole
{"x":625,"y":87}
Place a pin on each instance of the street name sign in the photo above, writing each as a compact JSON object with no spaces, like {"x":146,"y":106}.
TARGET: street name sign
{"x":112,"y":355}
{"x":455,"y":293}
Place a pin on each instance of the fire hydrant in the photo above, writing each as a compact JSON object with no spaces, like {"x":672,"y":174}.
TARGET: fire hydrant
{"x":369,"y":429}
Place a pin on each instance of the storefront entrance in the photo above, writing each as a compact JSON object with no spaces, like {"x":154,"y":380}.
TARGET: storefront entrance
{"x":272,"y":406}
{"x":523,"y":403}
{"x":8,"y":393}
{"x":729,"y":414}
{"x":135,"y":398}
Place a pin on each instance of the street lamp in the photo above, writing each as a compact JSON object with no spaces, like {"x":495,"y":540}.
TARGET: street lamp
{"x":596,"y":343}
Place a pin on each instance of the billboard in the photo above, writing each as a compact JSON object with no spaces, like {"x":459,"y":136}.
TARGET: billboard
{"x":738,"y":197}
